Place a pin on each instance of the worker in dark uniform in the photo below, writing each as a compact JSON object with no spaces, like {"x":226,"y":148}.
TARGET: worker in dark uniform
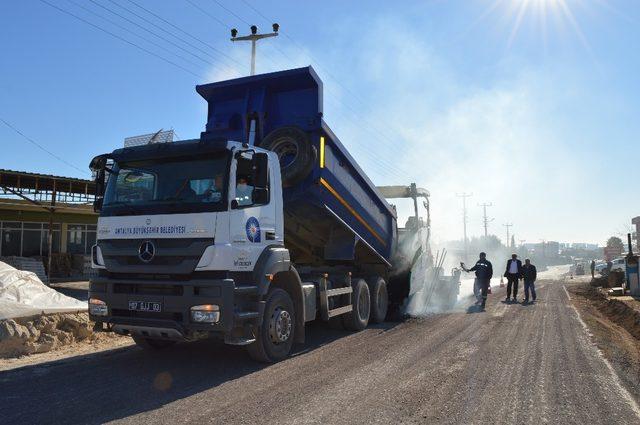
{"x":513,"y":272}
{"x":484,"y":273}
{"x":593,"y":269}
{"x":529,"y":274}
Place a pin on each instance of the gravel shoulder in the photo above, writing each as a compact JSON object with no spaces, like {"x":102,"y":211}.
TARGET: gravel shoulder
{"x":512,"y":364}
{"x":615,"y":329}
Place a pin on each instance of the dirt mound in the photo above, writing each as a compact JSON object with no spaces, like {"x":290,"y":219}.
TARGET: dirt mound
{"x":625,"y":313}
{"x":39,"y":334}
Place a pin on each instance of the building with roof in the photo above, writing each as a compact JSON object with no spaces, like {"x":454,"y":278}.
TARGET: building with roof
{"x":42,"y":213}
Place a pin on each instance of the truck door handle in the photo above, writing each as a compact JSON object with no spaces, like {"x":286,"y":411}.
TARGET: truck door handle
{"x":270,"y":235}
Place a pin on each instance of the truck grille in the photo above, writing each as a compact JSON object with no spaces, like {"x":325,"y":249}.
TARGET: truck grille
{"x":145,"y":289}
{"x":172,"y":256}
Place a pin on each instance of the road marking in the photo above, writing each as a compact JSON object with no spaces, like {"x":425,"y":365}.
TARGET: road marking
{"x":616,"y":379}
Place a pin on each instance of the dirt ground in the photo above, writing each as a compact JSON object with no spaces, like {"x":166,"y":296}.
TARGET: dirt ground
{"x":614,"y":324}
{"x":513,"y":364}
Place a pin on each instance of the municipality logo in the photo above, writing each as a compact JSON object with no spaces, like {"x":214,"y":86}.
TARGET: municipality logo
{"x":253,"y":229}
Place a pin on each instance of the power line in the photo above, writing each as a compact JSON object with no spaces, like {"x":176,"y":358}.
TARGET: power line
{"x":122,"y":27}
{"x":188,"y":43}
{"x":215,"y":18}
{"x":39,"y":146}
{"x":184,"y":32}
{"x":231,"y":12}
{"x":169,"y":61}
{"x":152,"y":32}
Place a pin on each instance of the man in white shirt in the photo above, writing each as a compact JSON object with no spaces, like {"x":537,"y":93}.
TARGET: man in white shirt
{"x":244,"y":192}
{"x":513,"y":273}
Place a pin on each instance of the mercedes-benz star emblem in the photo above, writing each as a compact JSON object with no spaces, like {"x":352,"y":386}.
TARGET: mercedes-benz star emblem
{"x":147,"y":251}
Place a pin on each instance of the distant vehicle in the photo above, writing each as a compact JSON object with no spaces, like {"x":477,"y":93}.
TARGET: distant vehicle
{"x":601,"y":267}
{"x":580,"y":269}
{"x":619,"y":264}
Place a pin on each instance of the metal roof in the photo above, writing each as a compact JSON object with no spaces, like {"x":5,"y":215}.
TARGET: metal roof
{"x":51,"y":176}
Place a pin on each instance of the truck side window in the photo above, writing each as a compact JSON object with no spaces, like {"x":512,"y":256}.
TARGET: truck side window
{"x":245,"y":183}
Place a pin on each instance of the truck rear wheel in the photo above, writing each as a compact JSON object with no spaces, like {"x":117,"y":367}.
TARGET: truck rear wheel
{"x":358,"y":318}
{"x":274,"y":339}
{"x":152,"y":344}
{"x":379,"y":299}
{"x":295,"y":152}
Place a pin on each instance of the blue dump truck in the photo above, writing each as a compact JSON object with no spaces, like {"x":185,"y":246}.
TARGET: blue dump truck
{"x":263,"y":223}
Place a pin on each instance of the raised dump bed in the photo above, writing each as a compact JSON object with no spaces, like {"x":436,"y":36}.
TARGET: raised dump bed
{"x":323,"y":184}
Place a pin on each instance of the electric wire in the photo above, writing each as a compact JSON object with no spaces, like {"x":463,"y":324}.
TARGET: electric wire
{"x":137,"y":46}
{"x":188,"y":43}
{"x":160,"y":36}
{"x":209,"y":45}
{"x":122,"y":27}
{"x":39,"y":146}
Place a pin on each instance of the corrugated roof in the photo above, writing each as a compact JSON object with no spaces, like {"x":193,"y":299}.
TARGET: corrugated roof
{"x":50,"y":176}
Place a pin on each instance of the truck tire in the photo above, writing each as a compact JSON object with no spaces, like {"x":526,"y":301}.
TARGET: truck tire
{"x":379,"y":299}
{"x":358,"y":318}
{"x":275,"y":337}
{"x":152,"y":344}
{"x":295,"y":152}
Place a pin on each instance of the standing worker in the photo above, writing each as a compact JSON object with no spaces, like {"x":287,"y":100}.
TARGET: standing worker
{"x":484,"y":273}
{"x":593,"y":269}
{"x":529,"y":274}
{"x":513,"y":272}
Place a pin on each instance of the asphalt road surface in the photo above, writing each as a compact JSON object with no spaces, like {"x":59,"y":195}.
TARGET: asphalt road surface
{"x":511,"y":364}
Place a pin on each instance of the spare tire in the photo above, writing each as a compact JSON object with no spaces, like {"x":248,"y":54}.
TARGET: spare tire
{"x":295,"y":152}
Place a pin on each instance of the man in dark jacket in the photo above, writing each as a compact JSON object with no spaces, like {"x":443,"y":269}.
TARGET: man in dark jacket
{"x":513,"y":272}
{"x":593,"y":269}
{"x":529,"y":274}
{"x":484,"y":273}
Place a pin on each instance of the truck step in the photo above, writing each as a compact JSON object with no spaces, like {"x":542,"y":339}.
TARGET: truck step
{"x":339,"y":291}
{"x":340,"y":310}
{"x":246,"y":290}
{"x":247,"y":315}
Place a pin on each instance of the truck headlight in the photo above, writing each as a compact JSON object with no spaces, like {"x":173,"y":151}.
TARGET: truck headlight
{"x":207,"y":313}
{"x":98,"y":307}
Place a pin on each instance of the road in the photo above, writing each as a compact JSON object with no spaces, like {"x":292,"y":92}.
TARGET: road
{"x":512,"y":364}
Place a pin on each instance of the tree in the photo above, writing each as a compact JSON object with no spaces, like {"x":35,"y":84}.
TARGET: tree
{"x":615,"y":242}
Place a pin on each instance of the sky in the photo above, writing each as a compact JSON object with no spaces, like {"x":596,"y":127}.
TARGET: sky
{"x":530,"y":105}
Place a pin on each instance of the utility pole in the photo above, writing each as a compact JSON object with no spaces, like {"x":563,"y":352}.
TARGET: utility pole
{"x":464,"y":197}
{"x":253,"y":38}
{"x":507,"y":225}
{"x":485,"y":219}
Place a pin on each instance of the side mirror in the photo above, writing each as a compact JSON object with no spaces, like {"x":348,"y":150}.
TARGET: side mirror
{"x":260,"y":196}
{"x":234,"y":204}
{"x":260,"y":170}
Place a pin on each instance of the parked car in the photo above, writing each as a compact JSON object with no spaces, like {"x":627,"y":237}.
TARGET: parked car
{"x":579,"y":269}
{"x":619,"y":264}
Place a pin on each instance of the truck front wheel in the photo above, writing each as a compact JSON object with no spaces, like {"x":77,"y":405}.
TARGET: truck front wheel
{"x":358,"y":319}
{"x":274,"y":338}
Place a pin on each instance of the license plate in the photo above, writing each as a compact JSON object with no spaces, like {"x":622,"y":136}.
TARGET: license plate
{"x":145,"y":306}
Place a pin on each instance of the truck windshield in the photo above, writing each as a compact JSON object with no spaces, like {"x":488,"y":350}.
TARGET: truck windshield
{"x":167,"y":186}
